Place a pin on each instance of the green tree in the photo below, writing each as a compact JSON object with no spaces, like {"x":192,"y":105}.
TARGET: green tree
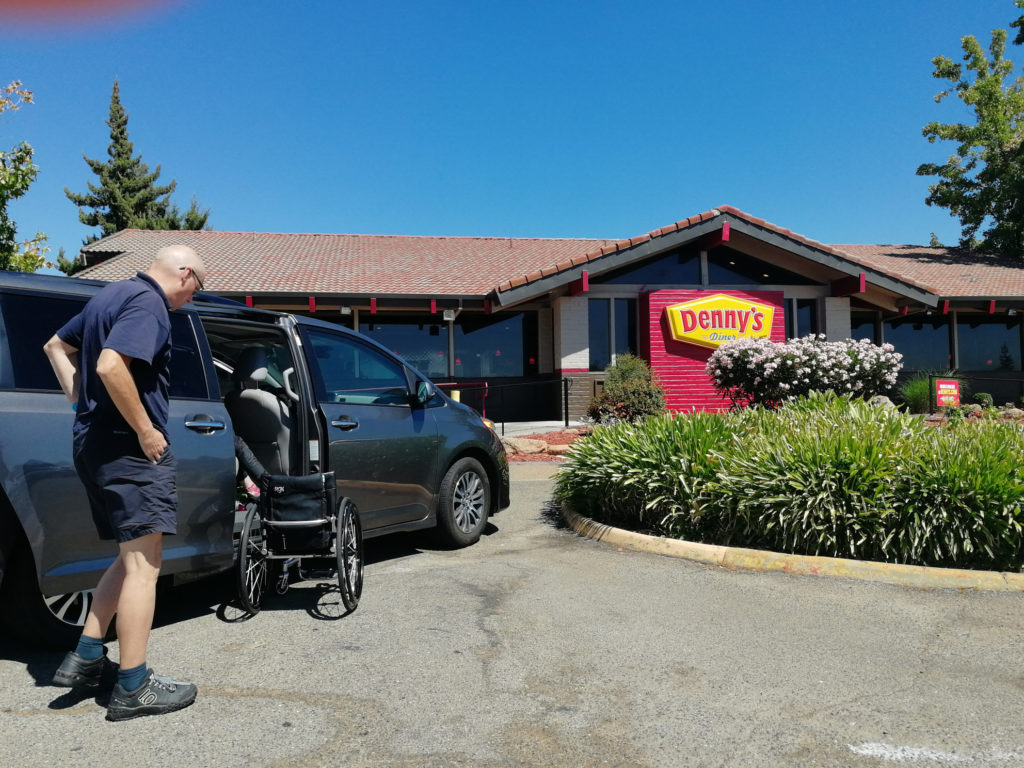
{"x":128,"y":195}
{"x":17,"y":172}
{"x":982,"y":184}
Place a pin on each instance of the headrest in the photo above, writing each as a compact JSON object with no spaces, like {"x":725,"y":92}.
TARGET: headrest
{"x":251,"y":366}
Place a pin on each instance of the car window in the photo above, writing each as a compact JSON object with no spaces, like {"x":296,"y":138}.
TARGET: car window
{"x":31,"y":320}
{"x":188,"y":377}
{"x":351,"y":372}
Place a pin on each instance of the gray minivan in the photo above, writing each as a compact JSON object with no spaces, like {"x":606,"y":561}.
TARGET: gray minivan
{"x":305,"y":395}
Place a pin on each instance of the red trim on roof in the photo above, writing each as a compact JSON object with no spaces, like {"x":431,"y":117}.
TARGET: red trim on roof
{"x":848,"y":286}
{"x":580,"y":285}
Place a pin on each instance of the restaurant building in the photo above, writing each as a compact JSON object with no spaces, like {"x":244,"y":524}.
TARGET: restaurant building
{"x":515,"y":322}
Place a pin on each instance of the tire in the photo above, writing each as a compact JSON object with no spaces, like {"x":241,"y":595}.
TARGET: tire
{"x":51,"y":622}
{"x":253,"y":574}
{"x":463,"y":503}
{"x":348,"y":546}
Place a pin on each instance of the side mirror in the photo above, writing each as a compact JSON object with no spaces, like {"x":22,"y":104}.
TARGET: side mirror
{"x":425,"y":392}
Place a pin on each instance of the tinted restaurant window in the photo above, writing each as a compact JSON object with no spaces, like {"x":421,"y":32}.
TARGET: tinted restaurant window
{"x":600,"y":334}
{"x":612,"y":330}
{"x":805,"y":321}
{"x":922,"y":340}
{"x":988,"y":344}
{"x":862,"y":326}
{"x":496,"y":345}
{"x":625,"y":326}
{"x":422,"y":341}
{"x":729,"y":267}
{"x":675,"y":268}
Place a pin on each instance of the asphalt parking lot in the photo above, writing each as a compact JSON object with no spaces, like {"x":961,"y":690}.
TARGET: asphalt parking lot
{"x":540,"y":648}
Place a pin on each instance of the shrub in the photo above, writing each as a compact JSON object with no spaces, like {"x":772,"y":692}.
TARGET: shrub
{"x":825,"y":475}
{"x":984,"y":399}
{"x":630,"y":393}
{"x":916,"y":393}
{"x":763,"y":372}
{"x":639,"y":474}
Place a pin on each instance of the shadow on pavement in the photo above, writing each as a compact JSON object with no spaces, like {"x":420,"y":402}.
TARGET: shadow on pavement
{"x":551,"y":513}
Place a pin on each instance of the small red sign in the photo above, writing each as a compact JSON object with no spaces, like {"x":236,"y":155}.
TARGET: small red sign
{"x":947,"y":392}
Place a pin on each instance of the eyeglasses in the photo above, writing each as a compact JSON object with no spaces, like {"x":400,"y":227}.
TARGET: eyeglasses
{"x":195,"y":275}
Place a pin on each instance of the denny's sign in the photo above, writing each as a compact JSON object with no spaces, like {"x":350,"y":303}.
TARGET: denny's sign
{"x":713,"y":320}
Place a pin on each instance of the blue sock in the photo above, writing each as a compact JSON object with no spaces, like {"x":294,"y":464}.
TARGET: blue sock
{"x":132,"y":679}
{"x":89,"y":648}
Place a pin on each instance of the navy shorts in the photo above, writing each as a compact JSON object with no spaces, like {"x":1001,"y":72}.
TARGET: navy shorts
{"x":129,"y":495}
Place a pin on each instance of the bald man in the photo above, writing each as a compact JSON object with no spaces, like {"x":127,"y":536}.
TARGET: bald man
{"x":112,"y":361}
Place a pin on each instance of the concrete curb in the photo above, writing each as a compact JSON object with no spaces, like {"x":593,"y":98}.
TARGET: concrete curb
{"x":914,"y":576}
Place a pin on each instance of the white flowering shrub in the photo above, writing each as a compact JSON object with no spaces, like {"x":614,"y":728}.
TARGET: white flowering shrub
{"x":763,"y":372}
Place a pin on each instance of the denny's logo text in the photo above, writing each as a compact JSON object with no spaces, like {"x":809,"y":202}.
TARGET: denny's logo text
{"x":714,"y":320}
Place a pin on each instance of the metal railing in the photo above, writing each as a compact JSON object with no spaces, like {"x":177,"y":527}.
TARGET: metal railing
{"x":495,"y":396}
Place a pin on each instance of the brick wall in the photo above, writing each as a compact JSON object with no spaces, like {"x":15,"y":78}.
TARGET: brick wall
{"x":680,"y":366}
{"x":837,"y":318}
{"x":572,"y":333}
{"x":582,"y":390}
{"x":545,"y":341}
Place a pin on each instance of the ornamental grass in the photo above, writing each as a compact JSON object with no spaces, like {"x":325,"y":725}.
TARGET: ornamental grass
{"x":823,"y":475}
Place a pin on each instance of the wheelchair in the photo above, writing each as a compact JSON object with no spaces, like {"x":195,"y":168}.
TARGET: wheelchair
{"x":295,"y":519}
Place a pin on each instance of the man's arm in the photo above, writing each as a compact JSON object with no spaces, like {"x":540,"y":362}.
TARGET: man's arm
{"x":64,"y":360}
{"x":114,"y":370}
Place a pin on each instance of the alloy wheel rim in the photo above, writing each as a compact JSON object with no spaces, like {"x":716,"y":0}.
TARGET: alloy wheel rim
{"x":468,"y":501}
{"x":71,"y":607}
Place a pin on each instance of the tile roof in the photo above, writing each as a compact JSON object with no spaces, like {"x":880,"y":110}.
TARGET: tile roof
{"x":260,"y":262}
{"x":947,"y":272}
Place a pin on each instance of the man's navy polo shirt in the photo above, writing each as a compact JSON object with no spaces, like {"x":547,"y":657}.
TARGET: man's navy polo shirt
{"x":130,"y":317}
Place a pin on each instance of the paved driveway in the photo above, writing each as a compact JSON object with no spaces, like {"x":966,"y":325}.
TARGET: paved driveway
{"x":540,"y":648}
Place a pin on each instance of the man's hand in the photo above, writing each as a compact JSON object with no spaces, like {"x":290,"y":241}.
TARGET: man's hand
{"x":153,"y":444}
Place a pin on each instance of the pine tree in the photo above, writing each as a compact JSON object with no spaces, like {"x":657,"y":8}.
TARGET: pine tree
{"x":127,"y":195}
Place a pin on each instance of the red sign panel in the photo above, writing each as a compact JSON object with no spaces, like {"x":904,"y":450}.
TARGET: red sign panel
{"x":947,"y":392}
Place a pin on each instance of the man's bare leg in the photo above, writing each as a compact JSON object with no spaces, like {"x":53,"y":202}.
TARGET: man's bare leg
{"x":104,"y":600}
{"x":141,"y":560}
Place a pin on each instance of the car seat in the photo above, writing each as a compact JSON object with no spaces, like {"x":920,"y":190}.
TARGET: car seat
{"x":258,"y":415}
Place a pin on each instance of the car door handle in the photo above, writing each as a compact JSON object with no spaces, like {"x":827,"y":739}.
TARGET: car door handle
{"x":203,"y":423}
{"x":345,"y":423}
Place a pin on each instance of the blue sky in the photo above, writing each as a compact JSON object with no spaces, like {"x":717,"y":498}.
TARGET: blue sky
{"x":519,"y":118}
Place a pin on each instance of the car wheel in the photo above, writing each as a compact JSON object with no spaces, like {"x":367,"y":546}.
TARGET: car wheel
{"x":52,"y":622}
{"x":463,"y":503}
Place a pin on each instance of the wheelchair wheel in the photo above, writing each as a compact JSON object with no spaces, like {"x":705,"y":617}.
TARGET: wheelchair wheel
{"x":348,"y":547}
{"x":253,"y":574}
